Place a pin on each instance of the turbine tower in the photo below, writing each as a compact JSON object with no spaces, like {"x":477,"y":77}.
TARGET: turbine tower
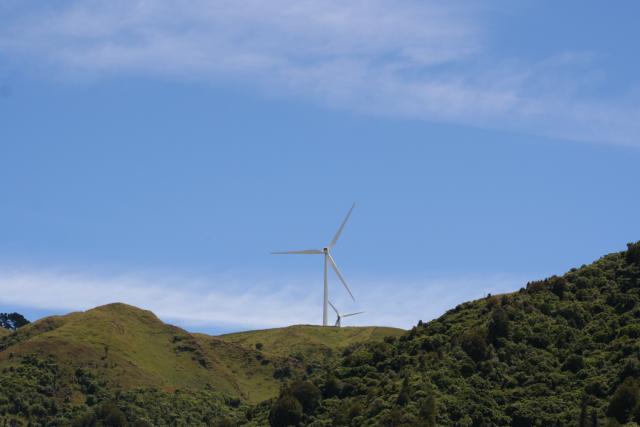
{"x":328,"y":260}
{"x":339,"y":318}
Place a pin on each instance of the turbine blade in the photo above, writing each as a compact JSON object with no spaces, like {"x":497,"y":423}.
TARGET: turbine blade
{"x":337,"y":236}
{"x":334,"y":308}
{"x":303,"y":252}
{"x":335,"y":268}
{"x":352,"y":314}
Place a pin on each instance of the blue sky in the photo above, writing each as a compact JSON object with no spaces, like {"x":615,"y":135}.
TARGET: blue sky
{"x":154,"y":153}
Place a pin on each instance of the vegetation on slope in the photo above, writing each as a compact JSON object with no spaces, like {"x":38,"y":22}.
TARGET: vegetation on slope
{"x":561,"y":352}
{"x":308,"y":342}
{"x":564,"y":351}
{"x":64,"y":368}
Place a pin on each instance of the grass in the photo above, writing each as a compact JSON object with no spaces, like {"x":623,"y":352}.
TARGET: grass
{"x":126,"y":348}
{"x":311,"y":342}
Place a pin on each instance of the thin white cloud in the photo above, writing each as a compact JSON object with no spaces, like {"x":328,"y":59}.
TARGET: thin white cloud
{"x":417,"y":59}
{"x":244,"y":304}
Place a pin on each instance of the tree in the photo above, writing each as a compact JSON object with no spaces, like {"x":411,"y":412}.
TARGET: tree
{"x":332,"y":386}
{"x":428,"y":410}
{"x":624,"y":401}
{"x":403,"y":396}
{"x":111,"y":415}
{"x":633,"y":253}
{"x":584,"y":417}
{"x":12,"y":321}
{"x":498,"y":325}
{"x":307,"y":394}
{"x":287,"y":411}
{"x":475,"y":344}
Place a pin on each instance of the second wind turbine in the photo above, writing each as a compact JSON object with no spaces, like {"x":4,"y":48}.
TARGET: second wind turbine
{"x":328,"y":259}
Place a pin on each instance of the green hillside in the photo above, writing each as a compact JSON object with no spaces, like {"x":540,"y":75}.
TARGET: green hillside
{"x":308,"y":342}
{"x":559,"y":352}
{"x":4,"y":332}
{"x":564,"y":351}
{"x":58,"y":367}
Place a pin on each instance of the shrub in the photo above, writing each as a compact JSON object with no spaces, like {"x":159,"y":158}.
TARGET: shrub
{"x":498,"y":325}
{"x":624,"y":401}
{"x":474,"y":344}
{"x":287,"y":411}
{"x":633,"y":253}
{"x":307,"y":394}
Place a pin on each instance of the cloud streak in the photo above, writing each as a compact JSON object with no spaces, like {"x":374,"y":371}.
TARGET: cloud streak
{"x":231,"y":304}
{"x":422,"y":60}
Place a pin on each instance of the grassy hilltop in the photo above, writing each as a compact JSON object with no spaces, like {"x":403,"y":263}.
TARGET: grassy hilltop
{"x":308,"y":342}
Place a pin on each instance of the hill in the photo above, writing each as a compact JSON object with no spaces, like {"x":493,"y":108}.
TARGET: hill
{"x":4,"y":332}
{"x":59,"y":366}
{"x":308,"y":342}
{"x":563,"y":351}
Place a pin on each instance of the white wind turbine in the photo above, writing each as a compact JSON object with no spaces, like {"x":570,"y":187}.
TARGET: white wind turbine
{"x":339,"y":318}
{"x":328,"y":259}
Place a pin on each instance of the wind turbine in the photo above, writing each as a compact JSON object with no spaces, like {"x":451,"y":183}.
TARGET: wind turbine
{"x":338,"y":320}
{"x":328,"y":260}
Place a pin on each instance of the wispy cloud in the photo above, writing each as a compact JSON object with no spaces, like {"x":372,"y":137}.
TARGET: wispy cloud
{"x":229,"y":303}
{"x":414,"y":59}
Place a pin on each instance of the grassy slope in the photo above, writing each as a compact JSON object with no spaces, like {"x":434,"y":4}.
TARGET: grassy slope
{"x":127,"y":348}
{"x":4,"y":332}
{"x":311,"y":342}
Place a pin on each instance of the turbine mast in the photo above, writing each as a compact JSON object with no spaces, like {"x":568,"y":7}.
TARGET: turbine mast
{"x":326,"y":292}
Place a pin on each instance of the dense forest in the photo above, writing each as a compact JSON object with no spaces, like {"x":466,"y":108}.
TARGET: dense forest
{"x":564,"y":351}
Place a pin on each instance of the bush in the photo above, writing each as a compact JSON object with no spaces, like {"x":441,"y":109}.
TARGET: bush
{"x":287,"y":411}
{"x":332,"y":387}
{"x":307,"y":394}
{"x":633,"y":253}
{"x":428,"y":411}
{"x":475,"y":344}
{"x":498,"y":325}
{"x":111,"y":415}
{"x":624,"y":401}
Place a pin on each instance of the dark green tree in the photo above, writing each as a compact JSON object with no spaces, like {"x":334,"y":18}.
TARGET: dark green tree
{"x":404,"y":394}
{"x":428,"y":411}
{"x":307,"y":394}
{"x":474,"y":344}
{"x":287,"y":411}
{"x":633,"y":253}
{"x":498,"y":326}
{"x":111,"y":415}
{"x":624,"y":401}
{"x":584,"y":416}
{"x":332,"y":386}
